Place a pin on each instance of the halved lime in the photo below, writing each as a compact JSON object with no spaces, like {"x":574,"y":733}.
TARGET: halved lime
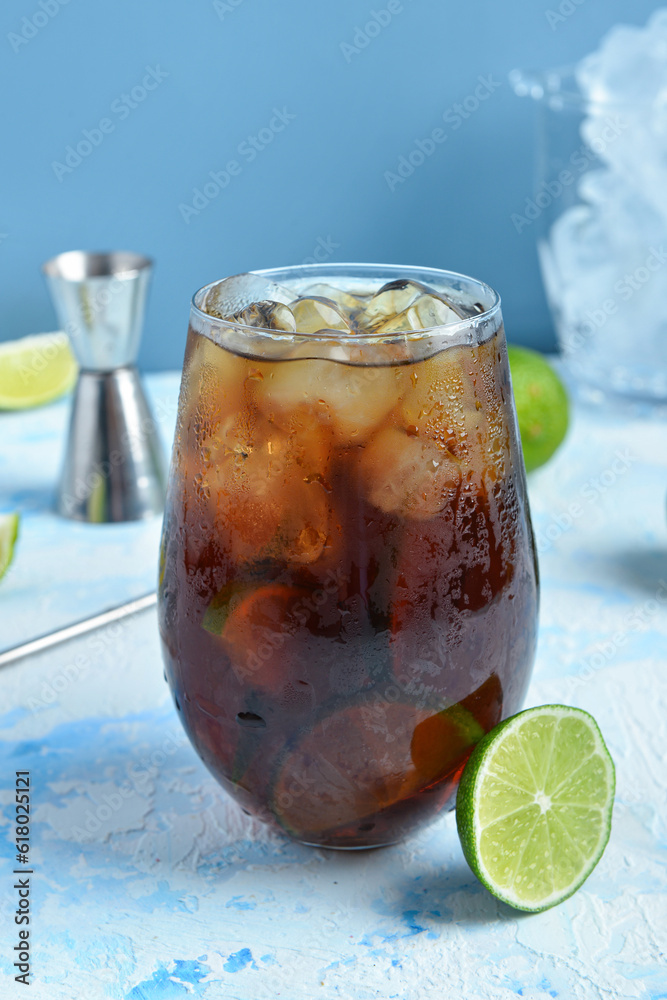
{"x":35,"y":370}
{"x":542,"y":405}
{"x":534,"y":806}
{"x":9,"y":529}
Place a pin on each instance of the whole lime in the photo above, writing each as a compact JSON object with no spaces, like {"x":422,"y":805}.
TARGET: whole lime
{"x":542,"y":405}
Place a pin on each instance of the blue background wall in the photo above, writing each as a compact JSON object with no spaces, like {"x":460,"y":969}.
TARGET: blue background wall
{"x":320,"y":182}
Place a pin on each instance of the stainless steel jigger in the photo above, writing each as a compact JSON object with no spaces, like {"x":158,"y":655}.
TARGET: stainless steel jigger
{"x":114,"y":467}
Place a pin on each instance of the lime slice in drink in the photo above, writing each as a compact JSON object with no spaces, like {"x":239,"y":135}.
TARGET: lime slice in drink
{"x":542,"y":406}
{"x":35,"y":370}
{"x":9,"y":529}
{"x":534,"y":806}
{"x":349,"y":766}
{"x":440,"y":740}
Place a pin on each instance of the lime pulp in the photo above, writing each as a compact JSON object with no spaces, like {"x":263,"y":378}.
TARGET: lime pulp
{"x":534,"y":805}
{"x":35,"y":370}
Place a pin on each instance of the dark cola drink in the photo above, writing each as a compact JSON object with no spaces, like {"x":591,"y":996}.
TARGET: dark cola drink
{"x":348,"y":587}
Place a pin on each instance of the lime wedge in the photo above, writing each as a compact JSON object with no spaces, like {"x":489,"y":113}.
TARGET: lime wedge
{"x":542,"y":405}
{"x":534,"y":806}
{"x":35,"y":370}
{"x":9,"y":529}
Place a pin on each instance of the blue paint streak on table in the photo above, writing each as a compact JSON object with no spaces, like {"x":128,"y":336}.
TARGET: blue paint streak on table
{"x":150,"y":883}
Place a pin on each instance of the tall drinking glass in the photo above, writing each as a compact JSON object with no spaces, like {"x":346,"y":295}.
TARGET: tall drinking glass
{"x":348,"y":585}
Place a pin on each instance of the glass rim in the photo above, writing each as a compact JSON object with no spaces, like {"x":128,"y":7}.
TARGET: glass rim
{"x":559,"y":89}
{"x":392,"y":272}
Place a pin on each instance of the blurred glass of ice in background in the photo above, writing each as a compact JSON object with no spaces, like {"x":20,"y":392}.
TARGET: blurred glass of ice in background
{"x":599,"y":210}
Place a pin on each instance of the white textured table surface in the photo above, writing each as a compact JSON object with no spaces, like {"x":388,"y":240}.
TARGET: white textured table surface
{"x":149,"y":883}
